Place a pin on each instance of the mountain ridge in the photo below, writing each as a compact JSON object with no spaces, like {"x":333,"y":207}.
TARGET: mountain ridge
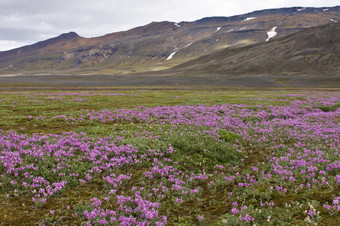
{"x":314,"y":51}
{"x":149,"y":47}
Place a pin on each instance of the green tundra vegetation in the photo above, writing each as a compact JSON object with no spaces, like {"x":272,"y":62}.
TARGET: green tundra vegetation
{"x":149,"y":156}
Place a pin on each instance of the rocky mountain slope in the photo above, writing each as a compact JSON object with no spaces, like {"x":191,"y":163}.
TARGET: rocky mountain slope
{"x":160,"y":45}
{"x":314,"y":51}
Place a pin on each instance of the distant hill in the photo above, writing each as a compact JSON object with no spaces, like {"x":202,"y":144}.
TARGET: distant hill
{"x":162,"y":45}
{"x":314,"y":51}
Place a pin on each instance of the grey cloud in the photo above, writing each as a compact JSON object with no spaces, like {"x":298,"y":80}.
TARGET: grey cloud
{"x":17,"y":34}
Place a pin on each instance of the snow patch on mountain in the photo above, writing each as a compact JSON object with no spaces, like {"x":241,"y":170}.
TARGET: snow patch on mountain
{"x":249,"y":18}
{"x":171,"y":55}
{"x":178,"y":25}
{"x":217,"y":29}
{"x":187,"y":45}
{"x":176,"y":50}
{"x":271,"y":33}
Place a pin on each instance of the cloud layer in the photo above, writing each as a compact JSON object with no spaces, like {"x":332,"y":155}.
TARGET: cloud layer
{"x":26,"y":22}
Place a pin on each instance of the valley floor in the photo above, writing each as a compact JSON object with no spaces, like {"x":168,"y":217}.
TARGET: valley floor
{"x":155,"y":79}
{"x":208,"y":156}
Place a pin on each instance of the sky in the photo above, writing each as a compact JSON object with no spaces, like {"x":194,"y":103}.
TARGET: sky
{"x":25,"y":22}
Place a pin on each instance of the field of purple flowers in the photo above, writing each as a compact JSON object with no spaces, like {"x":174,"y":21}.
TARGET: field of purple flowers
{"x":170,"y":157}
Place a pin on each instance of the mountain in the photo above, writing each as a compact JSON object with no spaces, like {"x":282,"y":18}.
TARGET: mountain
{"x":160,"y":45}
{"x":314,"y":51}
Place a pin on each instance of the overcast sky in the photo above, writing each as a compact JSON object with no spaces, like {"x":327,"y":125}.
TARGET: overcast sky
{"x":24,"y":22}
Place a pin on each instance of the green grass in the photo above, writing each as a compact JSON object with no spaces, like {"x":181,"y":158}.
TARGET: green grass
{"x":14,"y":112}
{"x":194,"y":149}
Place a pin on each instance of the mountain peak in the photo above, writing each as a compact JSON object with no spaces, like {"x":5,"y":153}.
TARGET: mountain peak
{"x":68,"y":35}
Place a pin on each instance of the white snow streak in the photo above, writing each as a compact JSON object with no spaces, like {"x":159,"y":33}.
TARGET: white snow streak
{"x":217,"y":29}
{"x":19,"y":51}
{"x":249,"y":18}
{"x":176,"y":50}
{"x":301,"y":9}
{"x":271,"y":33}
{"x":178,"y":25}
{"x":187,"y":45}
{"x":325,"y":10}
{"x":335,"y":21}
{"x":171,"y":55}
